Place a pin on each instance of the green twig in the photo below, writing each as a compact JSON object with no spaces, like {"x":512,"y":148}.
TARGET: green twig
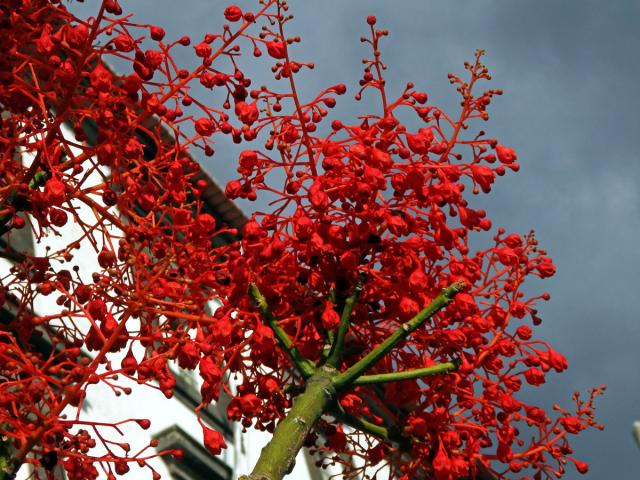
{"x":337,"y":346}
{"x":437,"y":369}
{"x":447,"y":295}
{"x":304,"y":366}
{"x":360,"y":423}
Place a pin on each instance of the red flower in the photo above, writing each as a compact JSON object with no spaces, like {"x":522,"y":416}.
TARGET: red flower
{"x":213,"y":440}
{"x":442,"y":464}
{"x":97,"y":309}
{"x":204,"y":127}
{"x":277,"y":49}
{"x":317,"y":197}
{"x":205,"y":223}
{"x":232,"y":13}
{"x":124,"y":43}
{"x":330,"y":318}
{"x":55,"y":191}
{"x":534,"y":376}
{"x":484,"y":176}
{"x":203,"y":50}
{"x":581,"y":466}
{"x":546,"y":268}
{"x":247,"y":113}
{"x":505,"y":154}
{"x":209,"y":371}
{"x":157,"y":33}
{"x":572,"y":424}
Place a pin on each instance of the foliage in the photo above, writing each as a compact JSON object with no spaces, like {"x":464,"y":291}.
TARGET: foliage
{"x":345,"y":281}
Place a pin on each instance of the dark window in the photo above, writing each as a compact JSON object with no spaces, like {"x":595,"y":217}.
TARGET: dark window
{"x":197,"y":463}
{"x":214,"y":414}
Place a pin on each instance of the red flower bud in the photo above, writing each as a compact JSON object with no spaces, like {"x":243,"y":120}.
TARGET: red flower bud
{"x":232,"y":13}
{"x":484,"y":176}
{"x":277,"y":49}
{"x":54,"y":191}
{"x":106,"y":258}
{"x":203,"y":50}
{"x":97,"y":309}
{"x":157,"y":33}
{"x":247,"y":113}
{"x":582,"y":467}
{"x":534,"y":376}
{"x":213,"y":440}
{"x":204,"y":127}
{"x":124,"y":43}
{"x":144,"y":423}
{"x":505,"y":154}
{"x":330,"y":318}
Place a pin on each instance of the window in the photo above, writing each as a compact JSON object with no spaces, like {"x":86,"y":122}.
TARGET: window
{"x":215,"y":414}
{"x":197,"y":463}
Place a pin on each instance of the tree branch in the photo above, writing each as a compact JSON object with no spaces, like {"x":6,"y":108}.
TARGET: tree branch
{"x":447,"y":295}
{"x":337,"y":346}
{"x":437,"y":369}
{"x":278,"y":456}
{"x":360,"y":423}
{"x":304,"y":366}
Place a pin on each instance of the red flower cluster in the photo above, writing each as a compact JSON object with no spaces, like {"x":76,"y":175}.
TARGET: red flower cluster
{"x":390,"y":203}
{"x":378,"y":205}
{"x":101,"y":160}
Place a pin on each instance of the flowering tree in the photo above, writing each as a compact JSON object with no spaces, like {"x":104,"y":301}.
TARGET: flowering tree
{"x":354,"y":317}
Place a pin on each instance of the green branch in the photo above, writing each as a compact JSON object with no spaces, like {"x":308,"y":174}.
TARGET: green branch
{"x":348,"y":377}
{"x":392,"y":434}
{"x":337,"y":346}
{"x":304,"y":366}
{"x":437,"y":369}
{"x":278,"y":456}
{"x":360,"y":423}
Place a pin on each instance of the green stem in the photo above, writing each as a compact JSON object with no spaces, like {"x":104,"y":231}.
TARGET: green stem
{"x":361,"y":424}
{"x":304,"y":366}
{"x":337,"y":346}
{"x":406,"y":375}
{"x":278,"y":456}
{"x":447,"y":295}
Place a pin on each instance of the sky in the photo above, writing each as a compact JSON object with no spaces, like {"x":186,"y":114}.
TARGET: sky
{"x":570,"y":73}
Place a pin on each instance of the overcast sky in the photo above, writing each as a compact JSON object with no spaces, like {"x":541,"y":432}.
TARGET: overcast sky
{"x":570,"y":70}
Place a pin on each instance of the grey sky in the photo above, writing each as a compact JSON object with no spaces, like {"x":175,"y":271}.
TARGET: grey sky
{"x":570,"y":72}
